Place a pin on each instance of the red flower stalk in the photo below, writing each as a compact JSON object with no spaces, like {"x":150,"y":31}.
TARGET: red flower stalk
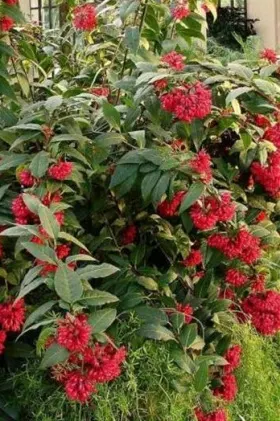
{"x":74,"y":333}
{"x":174,"y":60}
{"x":85,"y":17}
{"x":188,"y":102}
{"x":61,"y":170}
{"x":269,"y":55}
{"x":12,"y":315}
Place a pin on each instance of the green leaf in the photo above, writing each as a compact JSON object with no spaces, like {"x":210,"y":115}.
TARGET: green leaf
{"x":152,"y":315}
{"x":31,"y":275}
{"x":193,"y":194}
{"x":148,"y":184}
{"x":127,"y":7}
{"x":122,"y":173}
{"x":44,"y":253}
{"x":39,"y":164}
{"x":97,"y":271}
{"x":100,"y":320}
{"x":19,"y":230}
{"x":30,"y":287}
{"x":32,"y":202}
{"x":95,"y":297}
{"x":183,"y":360}
{"x":68,"y":237}
{"x":39,"y":312}
{"x":235,"y":93}
{"x":6,"y":89}
{"x":140,"y":137}
{"x":53,"y":103}
{"x":201,"y":377}
{"x":188,"y":335}
{"x":156,"y":331}
{"x":148,"y":283}
{"x":111,"y":115}
{"x":55,"y":354}
{"x":12,"y":161}
{"x":132,"y":38}
{"x":161,"y":187}
{"x":108,"y":139}
{"x":48,"y":221}
{"x":68,"y":285}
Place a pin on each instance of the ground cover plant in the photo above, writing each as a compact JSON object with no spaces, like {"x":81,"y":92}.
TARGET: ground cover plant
{"x":139,"y":216}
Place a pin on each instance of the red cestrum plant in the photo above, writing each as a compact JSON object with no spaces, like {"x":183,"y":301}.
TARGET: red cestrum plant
{"x":138,"y":178}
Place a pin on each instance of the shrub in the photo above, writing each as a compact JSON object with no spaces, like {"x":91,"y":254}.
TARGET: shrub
{"x":137,"y":181}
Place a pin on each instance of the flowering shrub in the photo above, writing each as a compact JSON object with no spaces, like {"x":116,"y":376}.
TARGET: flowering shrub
{"x":132,"y":184}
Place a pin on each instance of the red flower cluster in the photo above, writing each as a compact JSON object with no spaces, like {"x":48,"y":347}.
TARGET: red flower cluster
{"x":258,"y":283}
{"x":62,"y":251}
{"x":193,"y":259}
{"x":262,"y":121}
{"x":26,"y":179}
{"x":228,"y":390}
{"x":12,"y":316}
{"x":6,"y":23}
{"x":268,"y":175}
{"x":100,"y":91}
{"x":161,"y":84}
{"x":264,"y":310}
{"x":87,"y":365}
{"x":61,"y":170}
{"x":85,"y":17}
{"x":273,"y":135}
{"x":233,"y":356}
{"x":201,"y":164}
{"x":205,"y":215}
{"x":235,"y":277}
{"x":243,"y":246}
{"x":218,"y":415}
{"x":178,"y":145}
{"x":187,"y":310}
{"x":129,"y":235}
{"x":169,"y":208}
{"x":269,"y":55}
{"x":174,"y":60}
{"x":180,"y":12}
{"x":188,"y":102}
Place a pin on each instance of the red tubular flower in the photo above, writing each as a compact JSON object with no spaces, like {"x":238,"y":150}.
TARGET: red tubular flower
{"x":228,"y":390}
{"x":261,"y":217}
{"x":78,"y":386}
{"x":201,"y":164}
{"x":180,"y":12}
{"x":233,"y":356}
{"x":174,"y":60}
{"x":262,"y":121}
{"x":188,"y":102}
{"x":269,"y":55}
{"x":169,"y":208}
{"x":129,"y":235}
{"x":12,"y":315}
{"x":203,"y":218}
{"x":26,"y":178}
{"x":61,"y":170}
{"x":62,"y":251}
{"x":218,"y":415}
{"x":161,"y":84}
{"x":104,"y":362}
{"x":193,"y":259}
{"x":85,"y":17}
{"x":100,"y":91}
{"x":3,"y":337}
{"x":187,"y":310}
{"x":268,"y":175}
{"x":20,"y":210}
{"x":235,"y":277}
{"x":264,"y":310}
{"x":74,"y":333}
{"x":258,"y":283}
{"x":273,"y":135}
{"x":6,"y":23}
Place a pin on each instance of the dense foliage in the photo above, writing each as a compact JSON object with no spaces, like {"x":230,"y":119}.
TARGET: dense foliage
{"x":139,"y":186}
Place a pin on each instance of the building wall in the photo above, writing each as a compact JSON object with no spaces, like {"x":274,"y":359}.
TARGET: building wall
{"x":25,"y":8}
{"x":268,"y":12}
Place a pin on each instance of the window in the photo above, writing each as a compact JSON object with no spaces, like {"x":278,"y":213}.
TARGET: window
{"x":45,"y":13}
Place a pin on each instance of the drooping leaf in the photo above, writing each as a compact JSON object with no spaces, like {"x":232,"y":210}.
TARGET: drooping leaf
{"x":96,"y":297}
{"x":39,"y":164}
{"x":201,"y":377}
{"x":100,"y":320}
{"x":39,"y":312}
{"x":157,"y":332}
{"x":193,"y":194}
{"x":48,"y":221}
{"x":67,"y":284}
{"x":55,"y":354}
{"x":44,"y":253}
{"x":188,"y":334}
{"x":97,"y":271}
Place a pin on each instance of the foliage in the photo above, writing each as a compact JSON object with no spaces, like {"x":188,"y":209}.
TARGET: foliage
{"x":113,"y":208}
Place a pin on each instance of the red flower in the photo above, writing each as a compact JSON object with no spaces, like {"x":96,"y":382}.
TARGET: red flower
{"x":169,"y":208}
{"x":261,"y":217}
{"x":233,"y":356}
{"x":100,"y":91}
{"x":178,"y":145}
{"x":264,"y":309}
{"x":20,"y":210}
{"x":193,"y":259}
{"x":180,"y":12}
{"x":201,"y":164}
{"x":258,"y":283}
{"x":105,"y":362}
{"x":188,"y":102}
{"x":73,"y":333}
{"x":3,"y":337}
{"x":61,"y":170}
{"x":161,"y":84}
{"x":218,"y":415}
{"x":268,"y":175}
{"x":12,"y":315}
{"x":79,"y":387}
{"x":129,"y":235}
{"x":174,"y":60}
{"x":187,"y":310}
{"x":262,"y":121}
{"x":6,"y":23}
{"x":85,"y":17}
{"x":273,"y":134}
{"x":205,"y":8}
{"x":11,"y":2}
{"x":269,"y":55}
{"x":26,"y":178}
{"x":228,"y":390}
{"x":62,"y":251}
{"x":235,"y":277}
